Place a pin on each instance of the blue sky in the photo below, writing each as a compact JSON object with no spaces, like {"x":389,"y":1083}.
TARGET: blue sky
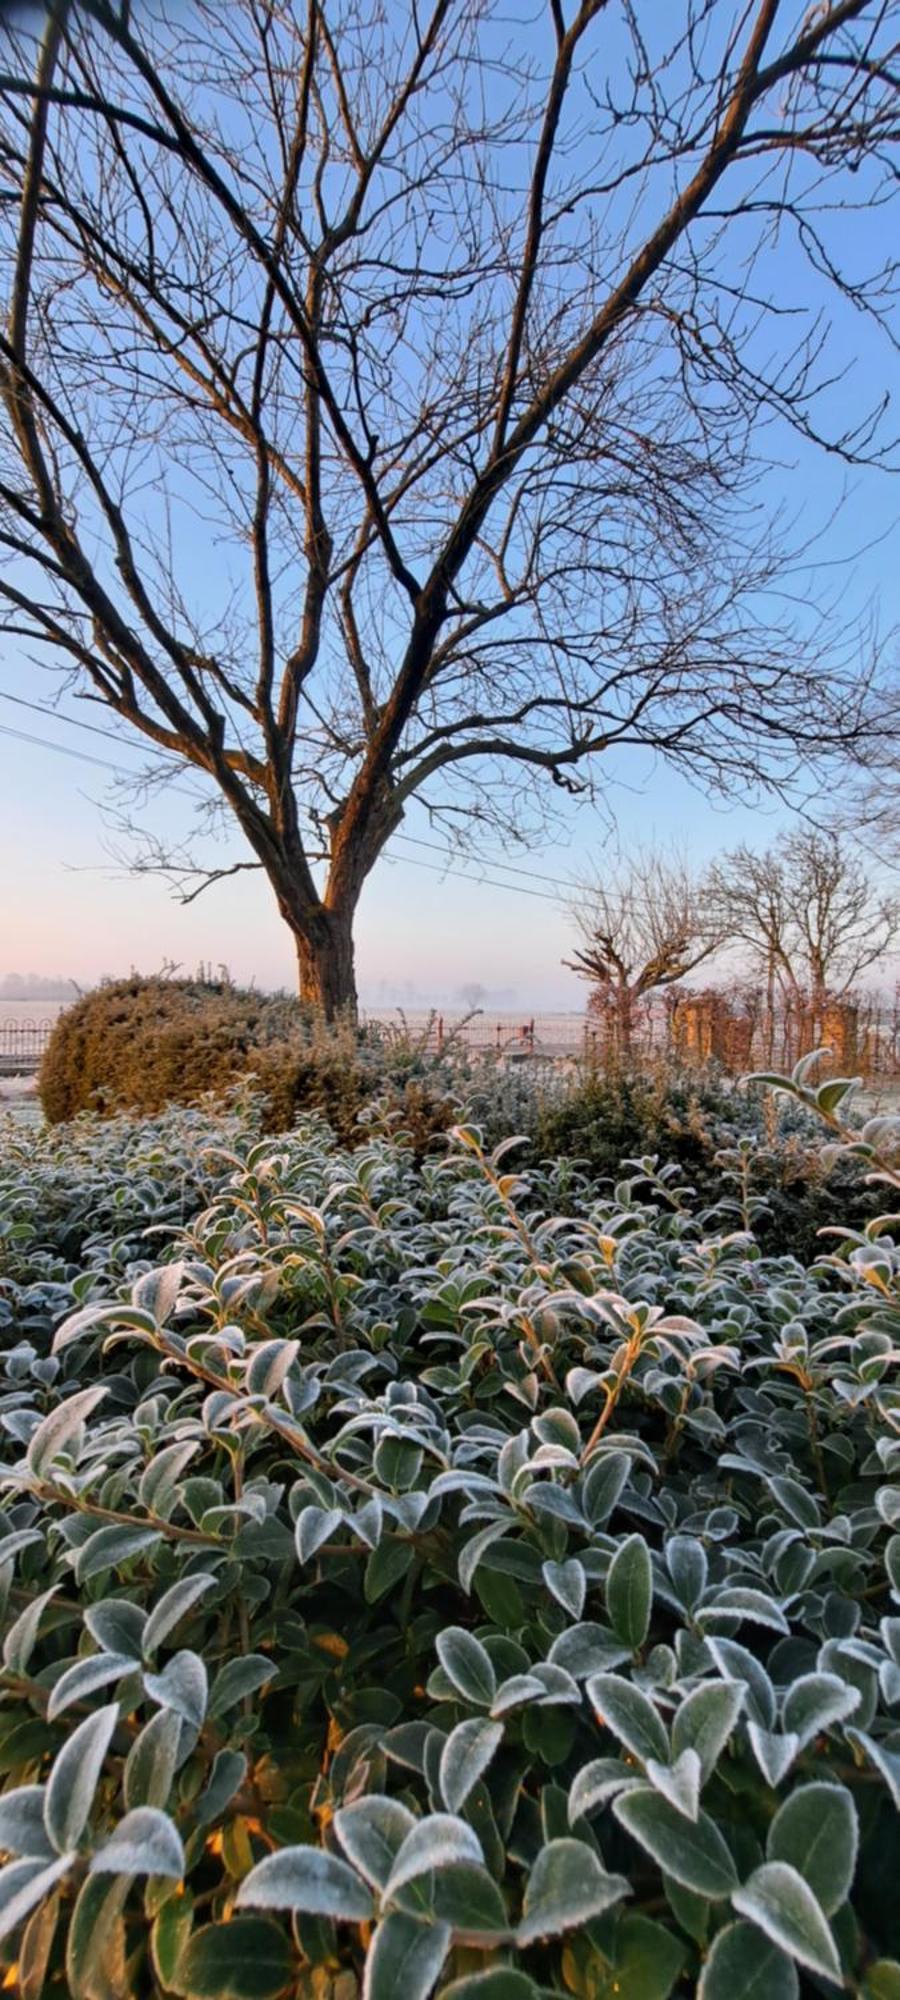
{"x":423,"y":933}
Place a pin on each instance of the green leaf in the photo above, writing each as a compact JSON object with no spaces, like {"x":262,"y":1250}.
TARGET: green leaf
{"x":502,"y":1982}
{"x":648,"y":1960}
{"x":144,"y":1843}
{"x":629,"y":1591}
{"x":817,"y":1832}
{"x":886,"y":1761}
{"x":169,"y":1935}
{"x":603,"y":1482}
{"x":238,"y":1678}
{"x":693,"y":1852}
{"x":435,"y":1842}
{"x":745,"y":1965}
{"x":22,"y":1828}
{"x":181,"y":1686}
{"x":85,"y":1677}
{"x":58,"y":1429}
{"x":778,"y":1900}
{"x":107,"y":1548}
{"x":371,"y":1833}
{"x":150,"y":1764}
{"x":568,"y":1885}
{"x":566,"y":1581}
{"x":678,"y":1782}
{"x":172,"y":1606}
{"x":308,"y":1880}
{"x":35,"y":1947}
{"x":23,"y":1884}
{"x":467,"y":1664}
{"x":385,"y":1568}
{"x":882,"y":1980}
{"x":249,"y":1958}
{"x":814,"y":1701}
{"x":75,"y":1776}
{"x":467,"y":1898}
{"x":705,"y":1721}
{"x":465,"y":1757}
{"x":21,"y":1637}
{"x":95,"y":1945}
{"x":631,"y":1716}
{"x":404,"y":1958}
{"x":597,"y":1782}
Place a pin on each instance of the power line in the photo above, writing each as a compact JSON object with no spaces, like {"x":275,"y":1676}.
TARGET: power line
{"x":84,"y":757}
{"x":408,"y":839}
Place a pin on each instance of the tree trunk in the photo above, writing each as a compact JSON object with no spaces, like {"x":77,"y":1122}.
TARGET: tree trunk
{"x":325,"y":964}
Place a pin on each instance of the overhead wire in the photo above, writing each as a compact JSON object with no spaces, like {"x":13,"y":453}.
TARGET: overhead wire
{"x":436,"y":868}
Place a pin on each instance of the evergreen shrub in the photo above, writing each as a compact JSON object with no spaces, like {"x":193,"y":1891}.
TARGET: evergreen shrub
{"x":413,"y":1589}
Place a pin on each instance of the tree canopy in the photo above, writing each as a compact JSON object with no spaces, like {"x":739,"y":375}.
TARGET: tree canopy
{"x":386,"y":397}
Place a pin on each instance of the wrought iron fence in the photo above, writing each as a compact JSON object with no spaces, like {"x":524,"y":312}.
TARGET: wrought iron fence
{"x":22,"y":1044}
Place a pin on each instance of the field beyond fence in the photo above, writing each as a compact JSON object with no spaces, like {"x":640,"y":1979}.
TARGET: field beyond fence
{"x":734,"y":1029}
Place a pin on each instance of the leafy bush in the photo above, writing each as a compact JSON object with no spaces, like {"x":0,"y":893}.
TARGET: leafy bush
{"x":137,"y":1045}
{"x":410,"y":1584}
{"x":706,"y":1124}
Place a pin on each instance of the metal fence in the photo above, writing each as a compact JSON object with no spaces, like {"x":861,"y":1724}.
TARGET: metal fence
{"x":22,"y":1044}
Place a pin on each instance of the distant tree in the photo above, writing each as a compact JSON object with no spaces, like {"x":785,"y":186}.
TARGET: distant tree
{"x":807,"y":914}
{"x":644,"y":927}
{"x":387,"y":391}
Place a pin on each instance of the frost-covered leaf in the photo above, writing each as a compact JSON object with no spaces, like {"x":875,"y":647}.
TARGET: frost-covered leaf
{"x":816,"y":1830}
{"x":776,"y":1899}
{"x":182,"y":1686}
{"x":22,"y":1828}
{"x":746,"y":1965}
{"x":371,"y":1832}
{"x":74,"y":1778}
{"x":436,"y":1842}
{"x":60,"y":1426}
{"x":566,"y":1581}
{"x":145,"y":1842}
{"x":174,"y":1604}
{"x":631,"y":1716}
{"x":705,"y":1721}
{"x":465,"y":1757}
{"x":307,"y":1880}
{"x":405,"y":1958}
{"x":568,"y":1885}
{"x":629,"y":1591}
{"x":679,"y":1782}
{"x":693,"y":1852}
{"x":467,"y":1664}
{"x":23,"y":1884}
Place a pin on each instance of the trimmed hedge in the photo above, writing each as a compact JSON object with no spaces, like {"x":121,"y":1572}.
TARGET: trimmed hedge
{"x":137,"y":1044}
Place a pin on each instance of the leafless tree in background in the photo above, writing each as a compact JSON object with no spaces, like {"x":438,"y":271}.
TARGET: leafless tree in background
{"x":644,"y":927}
{"x":808,"y":915}
{"x":386,"y":396}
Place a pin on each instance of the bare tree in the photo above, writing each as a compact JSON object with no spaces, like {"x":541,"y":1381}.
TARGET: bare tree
{"x":386,"y":394}
{"x":808,"y":915}
{"x":644,"y":927}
